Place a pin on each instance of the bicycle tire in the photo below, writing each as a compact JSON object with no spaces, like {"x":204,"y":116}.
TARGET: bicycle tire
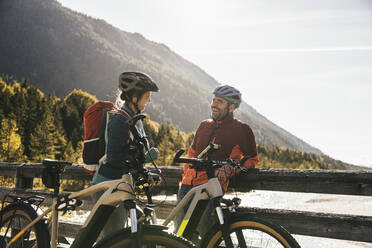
{"x":250,"y":231}
{"x":151,"y":237}
{"x":16,"y":216}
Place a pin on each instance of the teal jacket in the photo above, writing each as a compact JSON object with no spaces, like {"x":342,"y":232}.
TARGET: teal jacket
{"x":119,"y":153}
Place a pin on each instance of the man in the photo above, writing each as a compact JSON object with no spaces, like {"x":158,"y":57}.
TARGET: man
{"x":235,"y":138}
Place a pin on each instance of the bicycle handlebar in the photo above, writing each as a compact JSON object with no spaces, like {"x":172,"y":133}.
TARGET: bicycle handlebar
{"x":201,"y":164}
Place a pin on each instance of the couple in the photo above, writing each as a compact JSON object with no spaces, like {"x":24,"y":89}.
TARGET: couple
{"x":235,"y":138}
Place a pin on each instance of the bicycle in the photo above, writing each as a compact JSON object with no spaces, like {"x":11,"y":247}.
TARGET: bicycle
{"x":233,"y":228}
{"x":23,"y":224}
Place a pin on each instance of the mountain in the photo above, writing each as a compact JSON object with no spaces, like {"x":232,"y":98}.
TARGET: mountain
{"x":59,"y":49}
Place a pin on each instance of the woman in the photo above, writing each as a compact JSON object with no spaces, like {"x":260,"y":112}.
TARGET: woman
{"x":121,"y":155}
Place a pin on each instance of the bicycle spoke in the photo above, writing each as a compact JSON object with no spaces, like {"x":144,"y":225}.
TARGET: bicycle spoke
{"x":14,"y":220}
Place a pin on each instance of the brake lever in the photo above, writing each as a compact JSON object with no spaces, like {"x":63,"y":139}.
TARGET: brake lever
{"x":237,"y":165}
{"x":233,"y":162}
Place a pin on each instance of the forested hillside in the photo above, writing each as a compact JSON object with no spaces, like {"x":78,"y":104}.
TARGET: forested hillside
{"x":34,"y":126}
{"x":59,"y":50}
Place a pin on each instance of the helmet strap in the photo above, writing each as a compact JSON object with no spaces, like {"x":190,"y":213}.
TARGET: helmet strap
{"x":137,"y":109}
{"x":133,"y":105}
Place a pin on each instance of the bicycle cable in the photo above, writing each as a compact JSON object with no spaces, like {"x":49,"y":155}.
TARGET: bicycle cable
{"x":160,"y":174}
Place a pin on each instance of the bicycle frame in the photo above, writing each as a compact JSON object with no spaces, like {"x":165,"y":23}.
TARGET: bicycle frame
{"x":116,"y":192}
{"x":198,"y":197}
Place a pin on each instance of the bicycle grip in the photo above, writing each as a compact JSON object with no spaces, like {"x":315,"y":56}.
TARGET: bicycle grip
{"x":178,"y":155}
{"x":244,"y":159}
{"x":178,"y":159}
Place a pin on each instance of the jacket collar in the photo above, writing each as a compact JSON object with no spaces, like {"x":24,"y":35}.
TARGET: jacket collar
{"x":227,"y":119}
{"x":126,"y":109}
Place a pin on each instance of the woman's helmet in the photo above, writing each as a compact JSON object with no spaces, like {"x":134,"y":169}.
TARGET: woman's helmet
{"x":229,"y":93}
{"x":136,"y":81}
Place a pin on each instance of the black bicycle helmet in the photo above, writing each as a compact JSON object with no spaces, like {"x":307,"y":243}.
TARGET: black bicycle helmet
{"x":136,"y":81}
{"x":229,"y":93}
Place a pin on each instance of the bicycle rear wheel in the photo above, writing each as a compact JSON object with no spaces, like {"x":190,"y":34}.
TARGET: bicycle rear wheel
{"x":152,"y":237}
{"x":16,"y":216}
{"x":249,"y":231}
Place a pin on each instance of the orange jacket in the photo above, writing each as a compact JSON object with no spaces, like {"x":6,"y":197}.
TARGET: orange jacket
{"x":236,"y":139}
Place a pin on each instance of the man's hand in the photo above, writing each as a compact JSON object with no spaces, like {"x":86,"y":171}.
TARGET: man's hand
{"x":224,"y":173}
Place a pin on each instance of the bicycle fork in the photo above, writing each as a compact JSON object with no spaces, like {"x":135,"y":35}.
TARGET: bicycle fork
{"x":130,"y":205}
{"x":224,"y":223}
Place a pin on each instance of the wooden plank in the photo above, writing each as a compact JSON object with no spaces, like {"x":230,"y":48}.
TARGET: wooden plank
{"x":337,"y":226}
{"x":8,"y":169}
{"x":344,"y":227}
{"x":75,"y":172}
{"x":308,"y":181}
{"x":311,"y":181}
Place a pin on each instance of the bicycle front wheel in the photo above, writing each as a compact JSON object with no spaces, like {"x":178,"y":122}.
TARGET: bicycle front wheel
{"x":151,"y":238}
{"x":15,"y":217}
{"x":249,"y":231}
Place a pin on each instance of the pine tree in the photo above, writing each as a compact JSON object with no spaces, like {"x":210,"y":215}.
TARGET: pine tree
{"x":72,"y":110}
{"x":165,"y":151}
{"x":5,"y":93}
{"x":30,"y":109}
{"x":178,"y":141}
{"x":72,"y":154}
{"x":42,"y":139}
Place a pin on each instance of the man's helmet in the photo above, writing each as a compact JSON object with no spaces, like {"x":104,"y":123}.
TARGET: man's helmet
{"x":136,"y":81}
{"x":229,"y":93}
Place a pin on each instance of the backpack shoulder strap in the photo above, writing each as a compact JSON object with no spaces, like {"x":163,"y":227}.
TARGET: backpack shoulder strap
{"x":125,"y":114}
{"x":120,"y":112}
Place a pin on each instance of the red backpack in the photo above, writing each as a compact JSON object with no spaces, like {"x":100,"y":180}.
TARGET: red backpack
{"x":95,"y":121}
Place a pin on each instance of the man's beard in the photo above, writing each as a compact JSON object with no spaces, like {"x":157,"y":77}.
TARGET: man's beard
{"x":220,"y":114}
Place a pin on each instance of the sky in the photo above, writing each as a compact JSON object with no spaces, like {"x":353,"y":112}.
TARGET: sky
{"x":304,"y":65}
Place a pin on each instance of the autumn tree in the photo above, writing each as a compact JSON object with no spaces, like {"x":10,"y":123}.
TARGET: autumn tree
{"x":11,"y":148}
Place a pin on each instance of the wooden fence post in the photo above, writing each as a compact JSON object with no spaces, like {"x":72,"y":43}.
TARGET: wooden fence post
{"x":23,"y":182}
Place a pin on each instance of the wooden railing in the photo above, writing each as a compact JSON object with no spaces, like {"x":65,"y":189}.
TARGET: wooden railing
{"x":338,"y":226}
